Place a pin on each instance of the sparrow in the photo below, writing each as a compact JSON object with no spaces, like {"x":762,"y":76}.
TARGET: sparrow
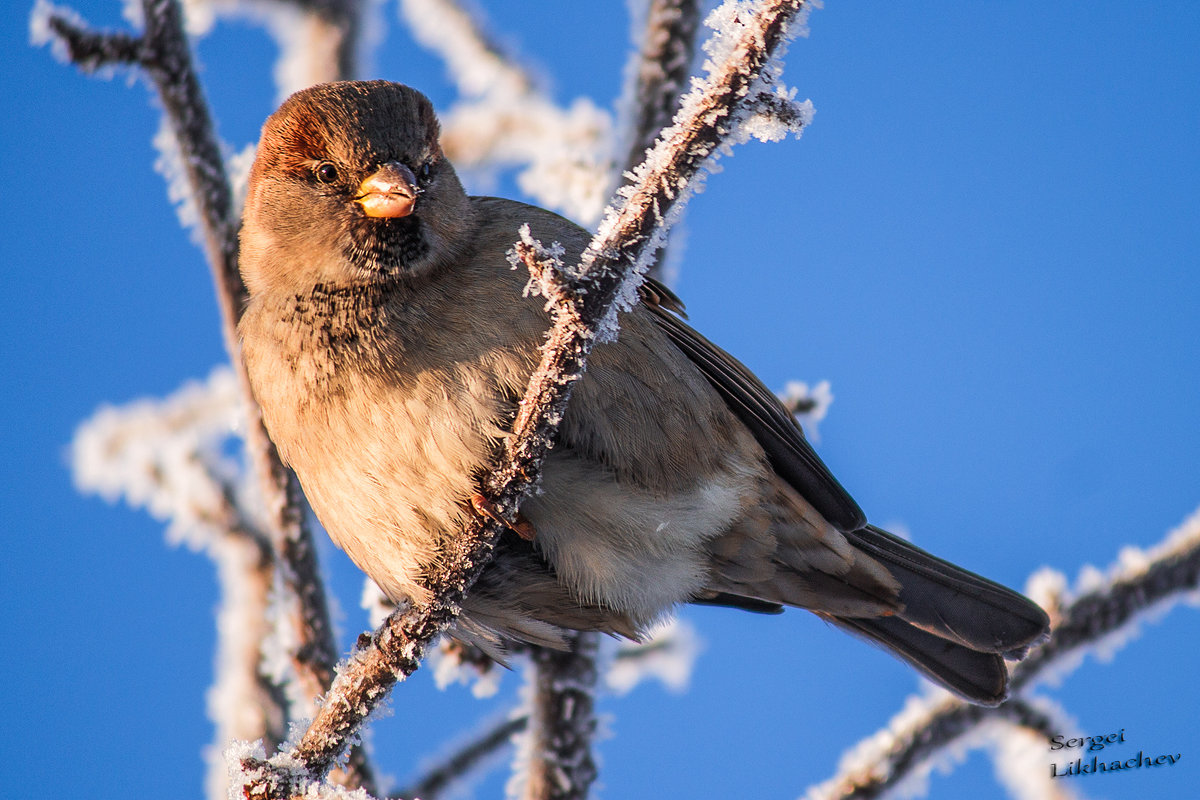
{"x":388,"y":341}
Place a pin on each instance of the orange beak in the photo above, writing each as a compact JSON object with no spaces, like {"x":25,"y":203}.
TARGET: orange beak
{"x":391,"y":191}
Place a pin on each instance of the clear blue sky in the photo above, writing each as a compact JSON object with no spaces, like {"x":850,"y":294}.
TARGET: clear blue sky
{"x":987,"y":241}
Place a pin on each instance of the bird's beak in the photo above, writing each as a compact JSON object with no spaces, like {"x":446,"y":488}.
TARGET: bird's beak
{"x":391,"y":191}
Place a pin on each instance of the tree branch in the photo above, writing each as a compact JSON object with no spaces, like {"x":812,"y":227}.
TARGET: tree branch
{"x":659,"y":71}
{"x":562,"y":722}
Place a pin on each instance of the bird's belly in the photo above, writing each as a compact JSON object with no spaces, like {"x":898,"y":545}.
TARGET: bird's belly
{"x":625,"y":547}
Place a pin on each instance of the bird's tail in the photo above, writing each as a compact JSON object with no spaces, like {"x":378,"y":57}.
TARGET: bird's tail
{"x":956,"y":627}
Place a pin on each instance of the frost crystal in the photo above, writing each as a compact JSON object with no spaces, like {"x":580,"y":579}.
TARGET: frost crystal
{"x":170,"y":165}
{"x":547,"y":269}
{"x":41,"y":34}
{"x":1132,"y":564}
{"x":809,"y":405}
{"x":449,"y":668}
{"x":769,"y":111}
{"x":165,"y":455}
{"x":668,"y":655}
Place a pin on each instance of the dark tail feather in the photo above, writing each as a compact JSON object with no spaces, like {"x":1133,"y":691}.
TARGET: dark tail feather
{"x":955,"y":626}
{"x":951,"y":603}
{"x":979,"y":677}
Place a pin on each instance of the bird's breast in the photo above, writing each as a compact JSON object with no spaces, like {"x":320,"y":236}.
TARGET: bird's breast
{"x":387,"y":437}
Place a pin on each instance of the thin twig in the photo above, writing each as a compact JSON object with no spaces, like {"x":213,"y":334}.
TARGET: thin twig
{"x":466,"y":758}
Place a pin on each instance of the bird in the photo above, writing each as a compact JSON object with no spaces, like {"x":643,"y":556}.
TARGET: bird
{"x":388,"y":342}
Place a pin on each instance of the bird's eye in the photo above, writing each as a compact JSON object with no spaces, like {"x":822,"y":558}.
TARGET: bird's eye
{"x":326,"y":172}
{"x":426,"y":170}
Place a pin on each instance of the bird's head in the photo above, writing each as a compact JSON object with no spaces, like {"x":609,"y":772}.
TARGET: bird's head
{"x":349,"y":186}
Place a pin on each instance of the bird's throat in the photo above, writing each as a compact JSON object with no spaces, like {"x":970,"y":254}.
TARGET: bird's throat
{"x":387,"y":247}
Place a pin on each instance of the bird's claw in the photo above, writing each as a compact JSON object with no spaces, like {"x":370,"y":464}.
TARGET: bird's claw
{"x":486,"y":508}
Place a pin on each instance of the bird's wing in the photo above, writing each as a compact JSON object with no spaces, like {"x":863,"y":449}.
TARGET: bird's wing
{"x":759,"y":410}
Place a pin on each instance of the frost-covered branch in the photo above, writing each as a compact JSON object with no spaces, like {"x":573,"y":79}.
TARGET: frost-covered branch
{"x":931,"y":732}
{"x":1101,"y":617}
{"x":165,"y":455}
{"x":713,"y":116}
{"x":1107,"y":610}
{"x":556,"y":758}
{"x":391,"y":654}
{"x":658,"y":74}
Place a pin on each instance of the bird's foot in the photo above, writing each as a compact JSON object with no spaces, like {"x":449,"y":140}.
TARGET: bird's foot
{"x":486,"y":508}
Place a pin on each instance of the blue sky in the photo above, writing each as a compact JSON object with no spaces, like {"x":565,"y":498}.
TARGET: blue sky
{"x":986,"y":242}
